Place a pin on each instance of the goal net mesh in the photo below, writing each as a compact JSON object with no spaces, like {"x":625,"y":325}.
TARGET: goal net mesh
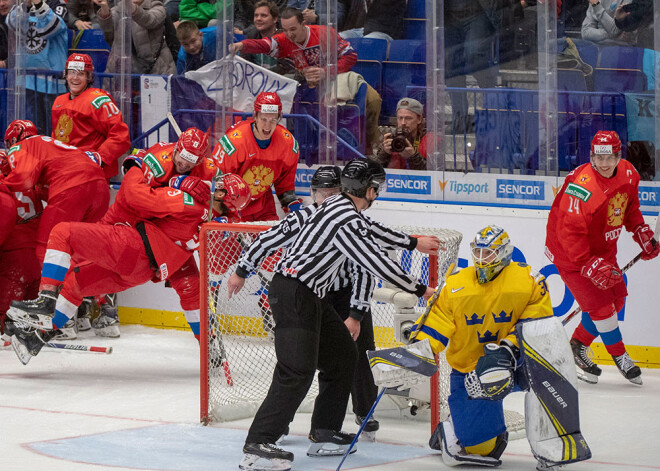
{"x":238,"y":361}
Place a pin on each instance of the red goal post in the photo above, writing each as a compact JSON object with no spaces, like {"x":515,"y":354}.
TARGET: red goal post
{"x":237,"y":356}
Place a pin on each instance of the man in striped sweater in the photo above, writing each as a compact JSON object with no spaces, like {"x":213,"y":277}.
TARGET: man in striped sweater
{"x":309,"y":334}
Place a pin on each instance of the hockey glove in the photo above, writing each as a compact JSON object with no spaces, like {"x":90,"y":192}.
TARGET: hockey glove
{"x":129,"y":162}
{"x":295,"y":205}
{"x":643,"y":235}
{"x":601,"y":273}
{"x":195,"y":187}
{"x":95,"y":156}
{"x":494,"y":373}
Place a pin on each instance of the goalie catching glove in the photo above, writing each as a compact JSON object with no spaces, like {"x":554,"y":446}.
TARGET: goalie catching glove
{"x":195,"y":187}
{"x":493,"y":377}
{"x":601,"y":273}
{"x":402,"y":367}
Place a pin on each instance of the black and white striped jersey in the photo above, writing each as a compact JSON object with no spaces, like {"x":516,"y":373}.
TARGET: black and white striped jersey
{"x":335,"y":233}
{"x":284,"y":233}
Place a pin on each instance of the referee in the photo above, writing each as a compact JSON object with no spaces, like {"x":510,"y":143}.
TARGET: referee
{"x":309,"y":334}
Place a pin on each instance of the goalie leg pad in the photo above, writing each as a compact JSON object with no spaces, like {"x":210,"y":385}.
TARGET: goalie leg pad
{"x":551,"y":407}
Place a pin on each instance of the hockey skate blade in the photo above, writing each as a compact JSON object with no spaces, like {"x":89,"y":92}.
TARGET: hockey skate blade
{"x":21,"y":350}
{"x":636,"y":381}
{"x":20,"y":316}
{"x":257,"y":463}
{"x":328,"y":449}
{"x":368,"y":437}
{"x":586,"y":377}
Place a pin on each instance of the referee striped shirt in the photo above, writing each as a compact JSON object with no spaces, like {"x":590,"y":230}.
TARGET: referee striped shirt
{"x":334,"y":234}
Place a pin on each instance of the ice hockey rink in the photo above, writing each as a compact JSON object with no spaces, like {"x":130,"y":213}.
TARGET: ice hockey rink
{"x":138,"y":408}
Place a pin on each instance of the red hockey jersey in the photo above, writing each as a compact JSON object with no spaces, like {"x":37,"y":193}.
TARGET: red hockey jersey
{"x":92,"y":121}
{"x":238,"y":152}
{"x":589,"y":213}
{"x":50,"y":163}
{"x":303,"y":55}
{"x":158,"y":167}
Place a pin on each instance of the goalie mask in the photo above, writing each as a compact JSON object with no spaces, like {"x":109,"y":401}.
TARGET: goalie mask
{"x":491,"y":251}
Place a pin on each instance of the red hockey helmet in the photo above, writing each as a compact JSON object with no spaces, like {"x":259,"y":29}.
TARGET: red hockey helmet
{"x":268,"y":102}
{"x":606,"y":142}
{"x":193,"y":145}
{"x":80,"y":62}
{"x":238,"y":192}
{"x":18,"y":130}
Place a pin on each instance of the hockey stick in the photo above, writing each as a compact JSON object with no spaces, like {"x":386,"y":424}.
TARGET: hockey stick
{"x":223,"y":353}
{"x":637,"y":258}
{"x":436,"y":293}
{"x":79,"y":348}
{"x":431,"y":302}
{"x":174,"y":124}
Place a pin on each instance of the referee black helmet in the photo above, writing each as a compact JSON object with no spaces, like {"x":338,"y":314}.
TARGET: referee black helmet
{"x":361,"y":174}
{"x":327,"y":176}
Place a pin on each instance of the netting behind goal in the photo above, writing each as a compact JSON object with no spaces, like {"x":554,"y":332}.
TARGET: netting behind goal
{"x":238,"y":361}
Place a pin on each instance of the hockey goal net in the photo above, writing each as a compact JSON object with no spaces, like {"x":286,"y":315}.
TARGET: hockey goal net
{"x":238,"y":360}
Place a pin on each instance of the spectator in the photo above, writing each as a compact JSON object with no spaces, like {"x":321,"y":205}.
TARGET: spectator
{"x":47,"y":50}
{"x":302,"y":44}
{"x":382,"y":21}
{"x":299,"y":4}
{"x":244,"y":13}
{"x":412,"y":131}
{"x":471,"y":28}
{"x":598,"y":24}
{"x":82,"y":15}
{"x":203,"y":12}
{"x":150,"y":54}
{"x":318,"y":15}
{"x":635,"y":19}
{"x":197,"y":47}
{"x":5,"y":5}
{"x":266,"y":19}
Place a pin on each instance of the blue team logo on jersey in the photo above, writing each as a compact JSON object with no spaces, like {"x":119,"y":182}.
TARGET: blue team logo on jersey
{"x":410,"y":184}
{"x":520,"y":189}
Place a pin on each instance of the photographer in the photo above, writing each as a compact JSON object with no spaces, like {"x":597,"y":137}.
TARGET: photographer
{"x":406,"y":147}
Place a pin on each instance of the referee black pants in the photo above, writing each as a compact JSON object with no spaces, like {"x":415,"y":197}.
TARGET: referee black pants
{"x":309,"y":335}
{"x":363,"y":392}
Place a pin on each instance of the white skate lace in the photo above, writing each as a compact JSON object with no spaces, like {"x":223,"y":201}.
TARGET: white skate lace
{"x":624,"y":362}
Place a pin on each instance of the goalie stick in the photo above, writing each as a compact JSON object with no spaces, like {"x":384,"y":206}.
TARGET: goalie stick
{"x":656,"y":236}
{"x":436,"y":293}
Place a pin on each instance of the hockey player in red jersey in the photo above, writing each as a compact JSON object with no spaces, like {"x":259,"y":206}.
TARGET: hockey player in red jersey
{"x":265,"y":154}
{"x":77,"y":189}
{"x":598,"y":199}
{"x":123,"y":251}
{"x":19,"y":221}
{"x":88,"y":117}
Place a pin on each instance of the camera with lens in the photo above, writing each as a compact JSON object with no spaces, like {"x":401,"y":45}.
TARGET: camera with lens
{"x":399,"y":138}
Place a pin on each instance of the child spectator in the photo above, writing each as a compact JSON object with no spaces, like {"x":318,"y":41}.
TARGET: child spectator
{"x":197,"y":47}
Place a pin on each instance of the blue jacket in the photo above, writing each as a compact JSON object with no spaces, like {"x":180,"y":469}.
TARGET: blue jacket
{"x":186,"y":62}
{"x":46,"y":43}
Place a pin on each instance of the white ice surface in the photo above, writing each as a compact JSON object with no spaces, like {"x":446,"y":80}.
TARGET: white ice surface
{"x":138,"y":408}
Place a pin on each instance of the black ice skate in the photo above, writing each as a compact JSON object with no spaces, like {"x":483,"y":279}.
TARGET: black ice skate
{"x":329,"y":443}
{"x":37,"y":313}
{"x":85,"y":311}
{"x":107,"y":323}
{"x":587,"y":370}
{"x":628,"y":369}
{"x":265,"y":457}
{"x":28,"y":342}
{"x":370,"y":428}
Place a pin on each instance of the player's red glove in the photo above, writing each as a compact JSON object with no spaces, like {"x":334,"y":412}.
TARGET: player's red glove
{"x":95,"y":157}
{"x":601,"y":273}
{"x":194,"y":186}
{"x":643,"y":235}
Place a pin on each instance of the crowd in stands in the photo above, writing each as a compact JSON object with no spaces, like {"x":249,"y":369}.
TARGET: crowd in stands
{"x":482,"y":38}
